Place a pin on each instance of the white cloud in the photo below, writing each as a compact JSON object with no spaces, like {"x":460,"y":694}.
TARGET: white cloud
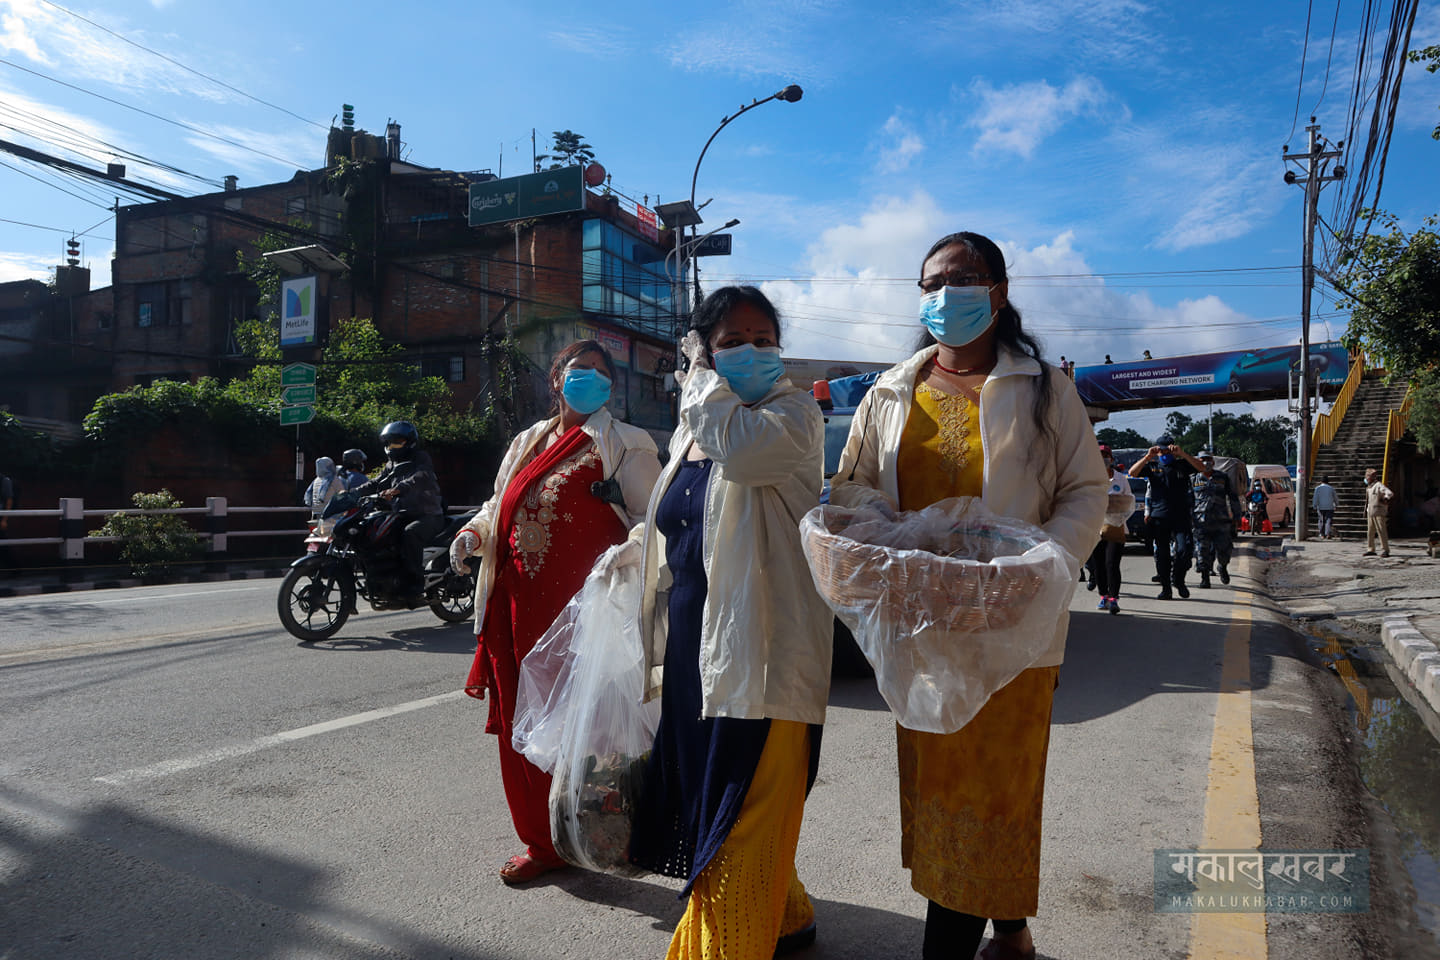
{"x":54,"y":39}
{"x":860,"y":300}
{"x":902,"y":145}
{"x":1018,"y":117}
{"x":15,"y":38}
{"x":25,"y":266}
{"x":1110,"y":30}
{"x":605,"y":43}
{"x":302,"y":150}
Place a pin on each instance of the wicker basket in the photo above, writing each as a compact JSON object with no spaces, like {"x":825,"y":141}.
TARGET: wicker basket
{"x":924,"y":580}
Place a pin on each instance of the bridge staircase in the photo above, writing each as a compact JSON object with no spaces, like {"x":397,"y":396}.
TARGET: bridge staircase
{"x":1359,"y":443}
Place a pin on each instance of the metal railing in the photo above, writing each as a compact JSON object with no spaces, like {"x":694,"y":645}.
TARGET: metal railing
{"x":73,"y":536}
{"x":1395,"y":429}
{"x":1328,"y":424}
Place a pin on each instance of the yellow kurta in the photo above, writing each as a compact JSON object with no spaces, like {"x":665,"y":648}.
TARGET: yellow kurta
{"x":970,"y":801}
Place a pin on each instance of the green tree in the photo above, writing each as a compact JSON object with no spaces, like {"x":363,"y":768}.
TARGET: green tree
{"x":1121,"y":439}
{"x":1391,"y":285}
{"x":567,"y":148}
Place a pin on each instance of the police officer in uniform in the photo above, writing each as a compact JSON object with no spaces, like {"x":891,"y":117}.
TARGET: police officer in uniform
{"x":1217,"y":513}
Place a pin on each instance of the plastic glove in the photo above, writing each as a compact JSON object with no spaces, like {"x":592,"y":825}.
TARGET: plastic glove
{"x":622,"y":555}
{"x":693,"y":347}
{"x":465,"y":544}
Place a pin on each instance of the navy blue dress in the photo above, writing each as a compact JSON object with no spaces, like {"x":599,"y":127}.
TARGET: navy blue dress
{"x":701,"y":767}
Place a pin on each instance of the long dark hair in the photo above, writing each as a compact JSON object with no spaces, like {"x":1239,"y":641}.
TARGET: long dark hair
{"x":717,"y":306}
{"x":1009,"y":330}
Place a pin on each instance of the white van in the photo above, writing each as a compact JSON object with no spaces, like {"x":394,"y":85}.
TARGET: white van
{"x":1280,"y":488}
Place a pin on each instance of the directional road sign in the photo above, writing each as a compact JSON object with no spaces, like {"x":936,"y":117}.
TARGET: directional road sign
{"x":294,"y":416}
{"x":297,"y":374}
{"x":293,"y":396}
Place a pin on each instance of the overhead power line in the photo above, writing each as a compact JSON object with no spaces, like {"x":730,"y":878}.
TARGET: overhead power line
{"x":189,"y":69}
{"x":154,"y":116}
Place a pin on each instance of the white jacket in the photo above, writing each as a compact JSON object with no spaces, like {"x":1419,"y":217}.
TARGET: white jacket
{"x":1060,"y":485}
{"x":627,"y":453}
{"x":766,"y":634}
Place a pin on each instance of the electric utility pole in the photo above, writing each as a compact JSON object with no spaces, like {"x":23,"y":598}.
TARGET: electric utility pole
{"x":1314,"y":164}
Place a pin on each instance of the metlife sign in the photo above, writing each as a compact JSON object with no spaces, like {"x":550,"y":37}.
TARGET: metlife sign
{"x":299,"y":311}
{"x":533,"y":195}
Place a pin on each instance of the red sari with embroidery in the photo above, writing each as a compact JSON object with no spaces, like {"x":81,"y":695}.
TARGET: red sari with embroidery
{"x":550,"y":529}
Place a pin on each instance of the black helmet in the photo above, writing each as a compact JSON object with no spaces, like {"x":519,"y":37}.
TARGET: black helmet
{"x":354,"y":459}
{"x":403,"y":435}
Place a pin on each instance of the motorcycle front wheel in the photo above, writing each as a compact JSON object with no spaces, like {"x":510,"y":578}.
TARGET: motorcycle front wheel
{"x":314,"y":605}
{"x":454,"y":598}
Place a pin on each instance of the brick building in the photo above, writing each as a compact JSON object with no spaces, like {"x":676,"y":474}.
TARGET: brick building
{"x":444,"y":290}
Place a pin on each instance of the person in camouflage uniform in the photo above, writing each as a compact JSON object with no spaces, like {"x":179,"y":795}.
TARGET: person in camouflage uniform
{"x":1217,"y":512}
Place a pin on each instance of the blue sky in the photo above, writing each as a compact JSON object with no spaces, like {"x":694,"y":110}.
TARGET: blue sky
{"x":1112,"y":147}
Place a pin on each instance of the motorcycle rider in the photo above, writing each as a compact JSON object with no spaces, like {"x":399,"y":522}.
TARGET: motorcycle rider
{"x":1255,"y":503}
{"x":352,"y":468}
{"x":1217,"y":514}
{"x":408,"y":482}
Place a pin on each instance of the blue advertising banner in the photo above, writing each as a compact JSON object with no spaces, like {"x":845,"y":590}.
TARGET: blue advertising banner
{"x":1197,"y":378}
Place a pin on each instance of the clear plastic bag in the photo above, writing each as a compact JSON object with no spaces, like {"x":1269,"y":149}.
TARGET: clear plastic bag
{"x":604,"y":733}
{"x":540,"y":698}
{"x":948,"y":604}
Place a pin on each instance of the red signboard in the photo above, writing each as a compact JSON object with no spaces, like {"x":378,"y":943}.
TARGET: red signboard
{"x":648,"y":228}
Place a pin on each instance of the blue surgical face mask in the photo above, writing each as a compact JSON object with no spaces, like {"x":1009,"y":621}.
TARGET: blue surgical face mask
{"x":957,"y":315}
{"x":750,"y":370}
{"x":585,"y":391}
{"x":1166,"y":459}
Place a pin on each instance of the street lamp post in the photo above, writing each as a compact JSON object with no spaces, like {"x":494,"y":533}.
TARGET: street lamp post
{"x":790,"y":94}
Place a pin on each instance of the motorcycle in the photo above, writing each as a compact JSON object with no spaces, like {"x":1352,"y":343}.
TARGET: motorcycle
{"x":352,"y":553}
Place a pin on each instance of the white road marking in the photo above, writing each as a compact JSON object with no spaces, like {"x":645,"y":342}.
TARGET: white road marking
{"x":51,"y":597}
{"x":166,"y":767}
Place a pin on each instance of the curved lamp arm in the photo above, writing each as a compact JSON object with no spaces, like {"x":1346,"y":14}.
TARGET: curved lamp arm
{"x":790,"y":94}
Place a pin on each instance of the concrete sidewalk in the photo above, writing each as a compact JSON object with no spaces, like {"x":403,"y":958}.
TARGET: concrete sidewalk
{"x":33,"y":581}
{"x":1399,"y":596}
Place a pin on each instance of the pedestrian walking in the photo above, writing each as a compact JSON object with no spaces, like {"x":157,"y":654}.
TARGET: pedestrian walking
{"x":1324,"y":500}
{"x":568,"y":488}
{"x":732,"y":618}
{"x":1169,"y":469}
{"x":1104,"y":562}
{"x":1217,"y":514}
{"x":971,"y":801}
{"x":1377,"y":514}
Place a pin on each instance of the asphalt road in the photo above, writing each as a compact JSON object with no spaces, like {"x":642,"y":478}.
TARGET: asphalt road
{"x":181,"y":778}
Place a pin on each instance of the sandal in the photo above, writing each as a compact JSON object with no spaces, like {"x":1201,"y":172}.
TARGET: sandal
{"x":523,"y":867}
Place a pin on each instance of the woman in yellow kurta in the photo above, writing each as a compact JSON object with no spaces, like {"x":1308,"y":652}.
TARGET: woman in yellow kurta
{"x":975,"y":413}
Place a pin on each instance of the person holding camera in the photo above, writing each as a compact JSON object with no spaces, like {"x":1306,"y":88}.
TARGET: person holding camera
{"x":1169,"y":469}
{"x":569,"y":487}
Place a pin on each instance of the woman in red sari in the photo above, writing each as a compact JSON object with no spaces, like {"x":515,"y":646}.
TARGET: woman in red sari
{"x":568,"y":488}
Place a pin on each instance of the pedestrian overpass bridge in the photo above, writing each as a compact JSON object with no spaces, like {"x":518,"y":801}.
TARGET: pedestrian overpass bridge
{"x":1269,"y":373}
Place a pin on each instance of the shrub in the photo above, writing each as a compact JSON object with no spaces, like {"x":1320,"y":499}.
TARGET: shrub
{"x":150,"y":543}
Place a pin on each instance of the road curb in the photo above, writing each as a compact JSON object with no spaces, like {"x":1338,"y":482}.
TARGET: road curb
{"x":1417,"y":658}
{"x":38,"y":589}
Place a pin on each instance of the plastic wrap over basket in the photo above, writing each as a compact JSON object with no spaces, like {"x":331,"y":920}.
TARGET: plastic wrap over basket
{"x":605,"y":740}
{"x":948,"y":604}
